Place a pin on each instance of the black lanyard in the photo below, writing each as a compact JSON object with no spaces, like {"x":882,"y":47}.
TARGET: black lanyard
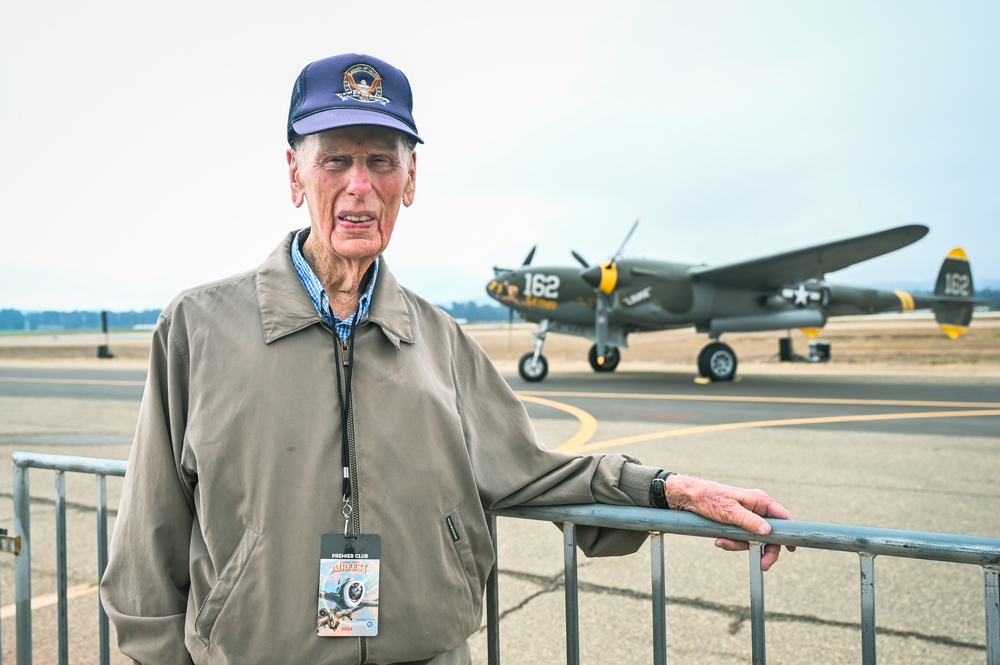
{"x":345,"y":409}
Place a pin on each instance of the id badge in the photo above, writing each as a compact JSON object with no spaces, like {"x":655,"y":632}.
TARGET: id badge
{"x":348,"y":585}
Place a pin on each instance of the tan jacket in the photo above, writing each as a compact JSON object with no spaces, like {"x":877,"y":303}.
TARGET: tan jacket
{"x":235,"y":473}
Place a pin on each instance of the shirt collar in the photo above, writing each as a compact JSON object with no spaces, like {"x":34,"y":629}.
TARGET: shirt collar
{"x":318,"y":294}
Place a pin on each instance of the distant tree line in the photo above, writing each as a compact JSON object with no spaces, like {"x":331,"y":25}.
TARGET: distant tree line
{"x":992,"y":296}
{"x":473,"y":312}
{"x":13,"y":319}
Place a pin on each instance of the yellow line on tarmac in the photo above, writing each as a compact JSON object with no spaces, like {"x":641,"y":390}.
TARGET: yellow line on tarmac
{"x":769,"y":400}
{"x":49,"y":599}
{"x":578,"y":443}
{"x":686,"y":431}
{"x":90,"y":382}
{"x":588,"y":423}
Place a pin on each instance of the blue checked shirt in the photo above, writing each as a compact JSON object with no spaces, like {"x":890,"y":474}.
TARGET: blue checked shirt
{"x":318,"y":294}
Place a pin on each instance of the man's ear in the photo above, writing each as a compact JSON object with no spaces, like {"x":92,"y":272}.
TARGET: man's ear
{"x":298,"y":194}
{"x":411,"y":183}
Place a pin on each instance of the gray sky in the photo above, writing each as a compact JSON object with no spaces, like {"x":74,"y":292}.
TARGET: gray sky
{"x":142,"y":146}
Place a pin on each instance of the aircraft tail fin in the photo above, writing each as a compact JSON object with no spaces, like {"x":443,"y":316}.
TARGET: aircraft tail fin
{"x":954,"y":296}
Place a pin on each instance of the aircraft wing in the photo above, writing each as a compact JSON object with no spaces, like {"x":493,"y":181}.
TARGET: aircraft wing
{"x":778,"y":270}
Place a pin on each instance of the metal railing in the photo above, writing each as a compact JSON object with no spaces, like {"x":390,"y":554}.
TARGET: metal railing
{"x":866,"y":542}
{"x":101,"y":469}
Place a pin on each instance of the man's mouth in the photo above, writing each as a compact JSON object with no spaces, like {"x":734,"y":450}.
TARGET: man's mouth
{"x":357,"y":218}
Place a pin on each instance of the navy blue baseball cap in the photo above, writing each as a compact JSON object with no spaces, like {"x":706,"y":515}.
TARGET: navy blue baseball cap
{"x":350,"y":89}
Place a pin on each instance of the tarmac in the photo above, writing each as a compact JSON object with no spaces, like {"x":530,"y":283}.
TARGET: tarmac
{"x":927,"y":612}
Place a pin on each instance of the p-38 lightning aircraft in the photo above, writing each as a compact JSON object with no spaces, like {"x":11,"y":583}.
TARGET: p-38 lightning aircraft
{"x":607,"y":302}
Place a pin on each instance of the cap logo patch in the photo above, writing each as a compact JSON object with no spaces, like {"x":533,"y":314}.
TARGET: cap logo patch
{"x":363,"y":84}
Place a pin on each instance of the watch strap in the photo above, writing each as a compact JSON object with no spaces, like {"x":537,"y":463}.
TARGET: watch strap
{"x":658,"y":489}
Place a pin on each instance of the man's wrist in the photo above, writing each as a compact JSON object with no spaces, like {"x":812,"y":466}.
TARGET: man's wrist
{"x":658,"y":490}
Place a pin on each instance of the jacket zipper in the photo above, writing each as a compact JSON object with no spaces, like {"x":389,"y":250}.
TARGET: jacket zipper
{"x":355,"y":527}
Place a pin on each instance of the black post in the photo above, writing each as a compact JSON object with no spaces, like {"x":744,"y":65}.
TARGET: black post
{"x":103,"y":351}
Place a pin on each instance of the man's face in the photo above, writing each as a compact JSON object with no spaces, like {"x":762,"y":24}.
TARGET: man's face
{"x":352,"y":180}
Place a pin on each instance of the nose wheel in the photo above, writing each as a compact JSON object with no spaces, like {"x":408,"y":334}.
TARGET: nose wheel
{"x":717,"y":361}
{"x":532,"y":368}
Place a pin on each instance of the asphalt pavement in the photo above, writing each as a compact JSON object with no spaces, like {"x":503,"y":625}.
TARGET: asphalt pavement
{"x":916,"y":452}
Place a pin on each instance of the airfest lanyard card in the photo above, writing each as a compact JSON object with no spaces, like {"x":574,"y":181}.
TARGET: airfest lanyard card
{"x":348,"y":585}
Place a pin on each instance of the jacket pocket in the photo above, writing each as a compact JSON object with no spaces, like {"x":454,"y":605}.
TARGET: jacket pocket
{"x":456,"y":534}
{"x":228,"y":579}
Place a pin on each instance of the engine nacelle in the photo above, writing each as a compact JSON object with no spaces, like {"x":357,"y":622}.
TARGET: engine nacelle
{"x":793,"y":318}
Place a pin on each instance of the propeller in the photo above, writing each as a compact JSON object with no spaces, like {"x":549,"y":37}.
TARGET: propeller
{"x":527,"y":262}
{"x":604,"y":279}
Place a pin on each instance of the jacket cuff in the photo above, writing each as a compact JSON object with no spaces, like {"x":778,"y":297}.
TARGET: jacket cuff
{"x":635,"y":481}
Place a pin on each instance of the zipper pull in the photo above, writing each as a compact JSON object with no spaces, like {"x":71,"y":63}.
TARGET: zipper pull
{"x":345,"y":346}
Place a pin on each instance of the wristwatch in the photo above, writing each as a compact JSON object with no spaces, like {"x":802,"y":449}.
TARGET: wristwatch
{"x":658,"y":490}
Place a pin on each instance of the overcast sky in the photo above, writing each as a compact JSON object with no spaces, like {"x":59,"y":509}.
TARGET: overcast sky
{"x":142,"y":145}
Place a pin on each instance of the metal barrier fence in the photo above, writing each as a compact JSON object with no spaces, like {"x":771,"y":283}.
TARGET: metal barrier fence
{"x":866,"y":542}
{"x":101,"y":469}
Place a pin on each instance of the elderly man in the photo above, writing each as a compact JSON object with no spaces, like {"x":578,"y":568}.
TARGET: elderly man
{"x":317,"y":445}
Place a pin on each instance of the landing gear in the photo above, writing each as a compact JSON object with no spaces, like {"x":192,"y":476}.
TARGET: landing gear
{"x":532,"y":368}
{"x":717,"y":362}
{"x":610,"y":360}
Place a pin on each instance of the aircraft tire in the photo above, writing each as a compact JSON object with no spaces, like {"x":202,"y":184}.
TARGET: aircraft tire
{"x":531,"y":371}
{"x":717,"y":361}
{"x":610,"y":362}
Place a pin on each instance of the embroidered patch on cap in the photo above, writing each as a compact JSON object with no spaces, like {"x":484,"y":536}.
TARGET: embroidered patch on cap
{"x":361,"y":89}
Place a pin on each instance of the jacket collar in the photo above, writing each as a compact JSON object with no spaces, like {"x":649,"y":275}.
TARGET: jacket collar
{"x":285,"y":307}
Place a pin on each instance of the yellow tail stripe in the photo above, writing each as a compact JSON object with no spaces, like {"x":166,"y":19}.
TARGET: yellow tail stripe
{"x":954,"y":332}
{"x":905,"y":300}
{"x":959,"y":254}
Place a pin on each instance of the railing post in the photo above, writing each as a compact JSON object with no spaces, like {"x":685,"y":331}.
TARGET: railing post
{"x":759,"y":653}
{"x":659,"y":598}
{"x":867,"y":608}
{"x":22,"y":564}
{"x":102,"y":564}
{"x":572,"y":600}
{"x":992,"y":593}
{"x":62,"y":584}
{"x":493,"y":600}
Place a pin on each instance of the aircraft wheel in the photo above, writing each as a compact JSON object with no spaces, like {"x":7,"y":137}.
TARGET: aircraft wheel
{"x":530,"y":370}
{"x":610,"y":361}
{"x":717,"y":361}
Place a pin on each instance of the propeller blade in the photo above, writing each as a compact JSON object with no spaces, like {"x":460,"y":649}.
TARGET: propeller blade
{"x":601,"y":325}
{"x":582,"y":261}
{"x":622,"y":248}
{"x":531,"y":255}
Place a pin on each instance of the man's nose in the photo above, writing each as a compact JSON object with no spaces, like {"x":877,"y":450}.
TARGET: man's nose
{"x":359,"y":181}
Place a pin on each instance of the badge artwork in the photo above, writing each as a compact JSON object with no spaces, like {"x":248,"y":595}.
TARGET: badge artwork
{"x":348,"y":585}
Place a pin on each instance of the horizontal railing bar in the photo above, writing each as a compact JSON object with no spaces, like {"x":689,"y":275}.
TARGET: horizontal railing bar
{"x":889,"y":542}
{"x":72,"y":463}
